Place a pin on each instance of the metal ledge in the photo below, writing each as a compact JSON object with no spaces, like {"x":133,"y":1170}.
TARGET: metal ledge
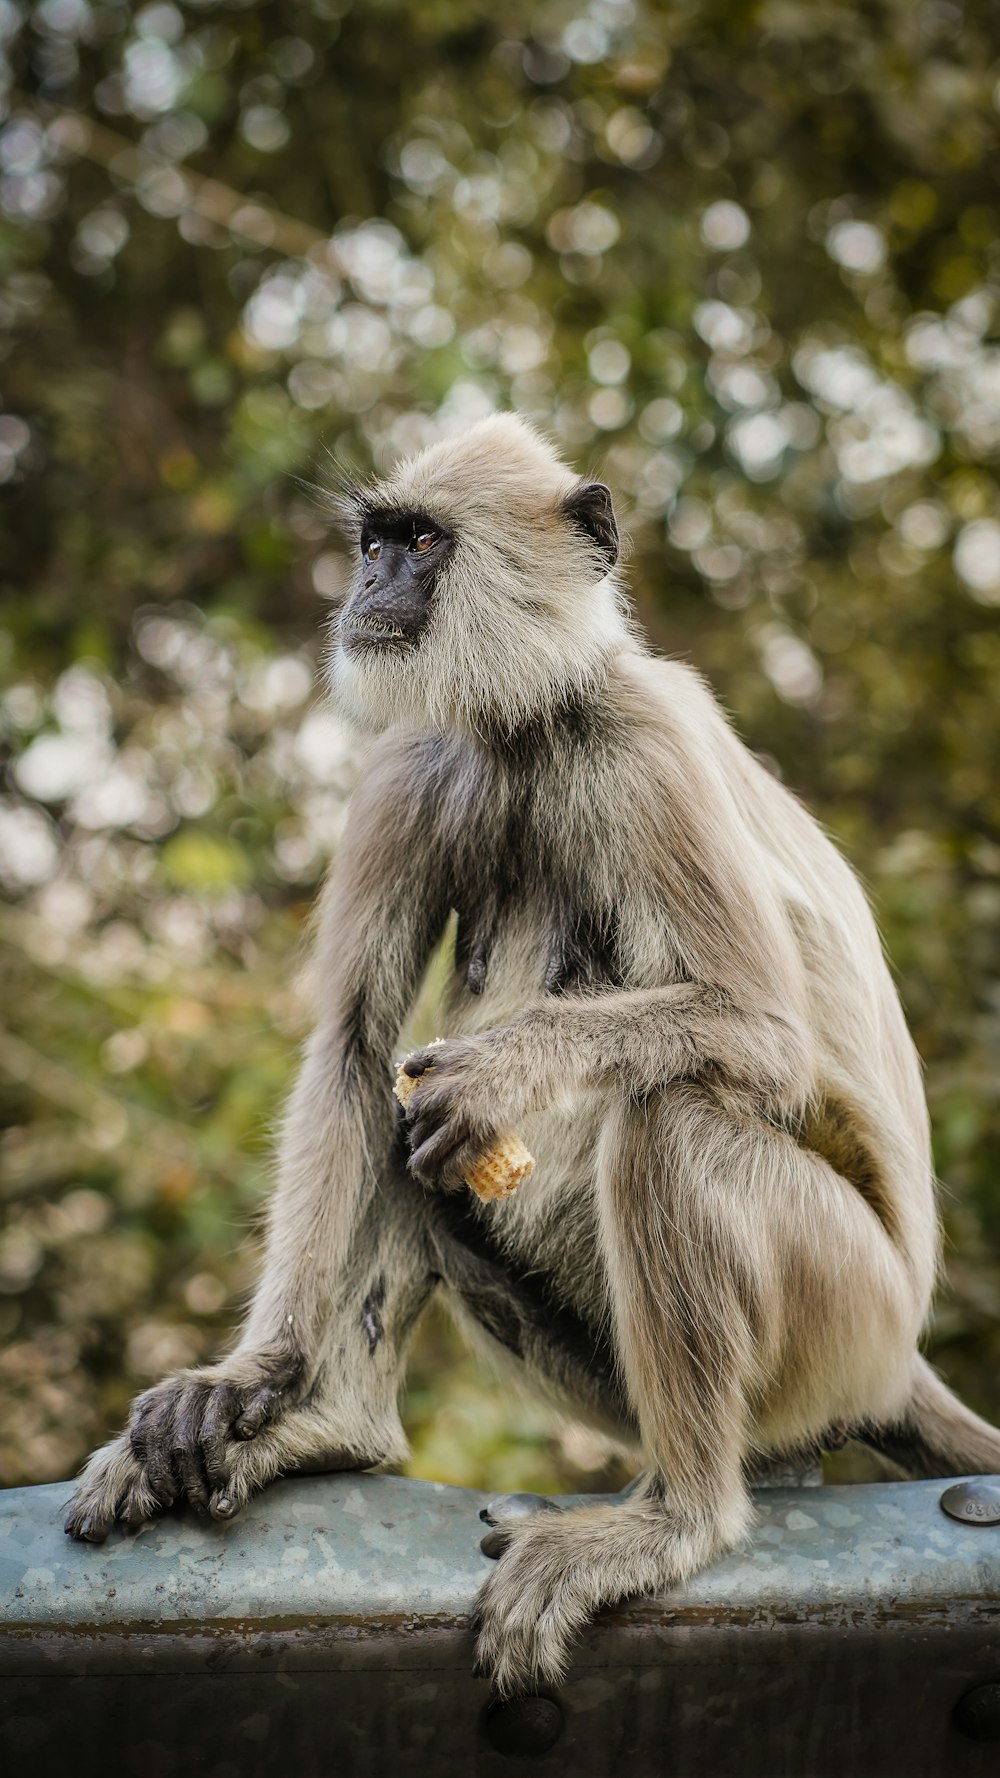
{"x":327,"y":1630}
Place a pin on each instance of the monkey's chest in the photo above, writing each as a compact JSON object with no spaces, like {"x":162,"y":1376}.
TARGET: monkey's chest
{"x":548,"y":892}
{"x":543,"y":942}
{"x":530,"y":923}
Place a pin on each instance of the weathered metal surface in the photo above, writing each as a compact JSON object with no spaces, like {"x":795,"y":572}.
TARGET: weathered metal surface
{"x":326,"y":1631}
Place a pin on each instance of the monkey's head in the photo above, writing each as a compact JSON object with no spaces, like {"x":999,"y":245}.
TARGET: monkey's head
{"x":484,"y":594}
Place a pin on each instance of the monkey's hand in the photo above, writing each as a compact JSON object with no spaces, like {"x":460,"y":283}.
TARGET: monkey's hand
{"x":199,"y":1437}
{"x":456,"y":1110}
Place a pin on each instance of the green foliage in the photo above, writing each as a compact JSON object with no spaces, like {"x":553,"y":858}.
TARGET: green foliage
{"x":741,"y":258}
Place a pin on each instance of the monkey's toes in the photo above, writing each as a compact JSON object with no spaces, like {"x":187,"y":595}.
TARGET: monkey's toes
{"x":502,"y":1512}
{"x":533,"y":1605}
{"x":112,"y":1490}
{"x":516,"y":1506}
{"x":86,"y":1526}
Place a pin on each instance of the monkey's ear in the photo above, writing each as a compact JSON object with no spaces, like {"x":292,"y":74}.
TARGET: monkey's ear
{"x":589,"y":506}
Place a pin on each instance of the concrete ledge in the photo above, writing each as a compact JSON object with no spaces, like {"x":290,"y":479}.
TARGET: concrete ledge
{"x":326,"y":1630}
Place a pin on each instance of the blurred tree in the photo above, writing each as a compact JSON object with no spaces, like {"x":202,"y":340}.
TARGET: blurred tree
{"x":744,"y":258}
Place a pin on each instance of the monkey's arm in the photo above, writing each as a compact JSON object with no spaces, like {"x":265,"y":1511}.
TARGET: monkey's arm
{"x":632,"y":1042}
{"x":315,"y":1372}
{"x":738,"y":1020}
{"x":381,"y":914}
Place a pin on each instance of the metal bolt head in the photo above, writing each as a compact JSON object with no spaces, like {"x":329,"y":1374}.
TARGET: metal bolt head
{"x":516,"y":1506}
{"x":978,"y":1713}
{"x":523,"y":1726}
{"x":976,"y":1502}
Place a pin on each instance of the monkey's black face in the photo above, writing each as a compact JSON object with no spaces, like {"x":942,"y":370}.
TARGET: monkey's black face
{"x":401,"y":556}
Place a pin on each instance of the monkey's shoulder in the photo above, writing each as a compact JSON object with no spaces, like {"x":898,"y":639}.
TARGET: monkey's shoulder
{"x":406,"y":775}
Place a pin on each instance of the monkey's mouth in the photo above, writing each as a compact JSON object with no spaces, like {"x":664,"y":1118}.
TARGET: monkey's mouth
{"x":376,"y":633}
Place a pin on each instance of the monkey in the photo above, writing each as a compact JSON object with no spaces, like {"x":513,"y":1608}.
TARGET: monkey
{"x":668,"y":980}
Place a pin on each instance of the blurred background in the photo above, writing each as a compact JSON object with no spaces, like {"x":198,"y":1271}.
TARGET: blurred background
{"x":741,"y":260}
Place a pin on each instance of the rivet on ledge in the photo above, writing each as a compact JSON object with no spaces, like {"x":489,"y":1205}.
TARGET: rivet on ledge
{"x":978,"y":1713}
{"x":974,"y":1503}
{"x":523,"y":1726}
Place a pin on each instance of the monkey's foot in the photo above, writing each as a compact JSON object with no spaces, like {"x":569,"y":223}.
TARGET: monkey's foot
{"x":505,"y":1507}
{"x":556,"y":1570}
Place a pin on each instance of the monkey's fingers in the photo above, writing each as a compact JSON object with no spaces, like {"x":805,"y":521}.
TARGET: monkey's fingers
{"x":436,"y":1132}
{"x":251,"y":1467}
{"x":149,"y":1437}
{"x":270,"y":1390}
{"x":419,"y":1062}
{"x":450,"y":1164}
{"x":261,"y":1407}
{"x":451,"y":1142}
{"x":299,"y":1440}
{"x":184,"y":1440}
{"x":221,"y":1410}
{"x":212,"y":1432}
{"x":186,"y":1453}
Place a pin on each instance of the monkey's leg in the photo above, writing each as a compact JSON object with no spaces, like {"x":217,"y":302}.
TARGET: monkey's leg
{"x":407,"y":1242}
{"x":756,"y":1300}
{"x":518,"y":1307}
{"x":190,"y":1437}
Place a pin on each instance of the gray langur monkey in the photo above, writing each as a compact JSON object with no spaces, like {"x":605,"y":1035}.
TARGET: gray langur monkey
{"x":668,"y":981}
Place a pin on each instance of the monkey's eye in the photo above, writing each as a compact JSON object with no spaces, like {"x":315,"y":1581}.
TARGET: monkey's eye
{"x":424,"y":540}
{"x":372,"y":550}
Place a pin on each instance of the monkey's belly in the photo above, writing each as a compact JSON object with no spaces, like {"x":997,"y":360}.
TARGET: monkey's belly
{"x":512,"y":976}
{"x":551,"y":1221}
{"x":553,"y":1218}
